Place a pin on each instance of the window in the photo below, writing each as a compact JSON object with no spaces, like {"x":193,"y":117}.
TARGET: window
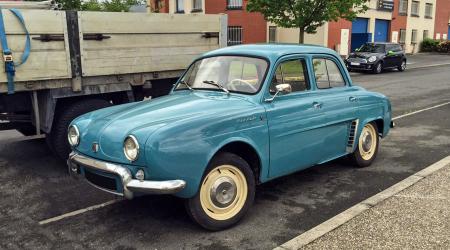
{"x":402,"y":36}
{"x":292,"y":72}
{"x":234,"y":4}
{"x":429,"y":10}
{"x":415,"y":6}
{"x":414,"y":37}
{"x":272,"y":34}
{"x":397,"y":48}
{"x":403,"y":7}
{"x":179,"y":6}
{"x":235,"y":73}
{"x":327,"y":74}
{"x":425,"y":34}
{"x":196,"y":5}
{"x":234,"y":35}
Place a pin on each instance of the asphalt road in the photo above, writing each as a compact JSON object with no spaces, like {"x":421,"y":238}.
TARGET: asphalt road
{"x":35,"y":186}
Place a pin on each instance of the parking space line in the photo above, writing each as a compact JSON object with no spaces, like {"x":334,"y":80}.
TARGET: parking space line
{"x":420,"y":110}
{"x":79,"y":211}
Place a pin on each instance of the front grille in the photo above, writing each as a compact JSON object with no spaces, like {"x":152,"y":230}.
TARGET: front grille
{"x":100,"y":180}
{"x":357,"y":60}
{"x":351,"y":135}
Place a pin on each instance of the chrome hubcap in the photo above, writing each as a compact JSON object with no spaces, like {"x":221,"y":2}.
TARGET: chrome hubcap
{"x":367,"y":141}
{"x":223,"y":192}
{"x":379,"y":68}
{"x":403,"y":65}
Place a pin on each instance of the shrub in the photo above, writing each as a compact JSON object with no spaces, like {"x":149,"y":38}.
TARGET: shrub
{"x":429,"y":45}
{"x":444,"y":47}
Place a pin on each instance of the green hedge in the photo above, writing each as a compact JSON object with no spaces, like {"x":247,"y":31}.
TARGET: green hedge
{"x":431,"y":45}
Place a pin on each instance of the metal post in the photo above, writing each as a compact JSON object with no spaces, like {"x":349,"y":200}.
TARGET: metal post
{"x":36,"y":113}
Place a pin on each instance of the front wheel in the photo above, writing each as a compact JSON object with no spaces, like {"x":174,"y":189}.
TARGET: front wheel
{"x":378,"y":68}
{"x":402,"y":66}
{"x":367,"y":148}
{"x":226,"y":193}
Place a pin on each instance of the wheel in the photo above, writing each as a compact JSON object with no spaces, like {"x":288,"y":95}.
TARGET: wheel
{"x":402,"y":66}
{"x":57,"y":138}
{"x":367,"y":148}
{"x":378,"y":68}
{"x":226,"y":193}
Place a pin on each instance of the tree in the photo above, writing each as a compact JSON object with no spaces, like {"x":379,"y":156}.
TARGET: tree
{"x":306,"y":15}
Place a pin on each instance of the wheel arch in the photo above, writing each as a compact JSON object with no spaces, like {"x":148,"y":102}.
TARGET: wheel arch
{"x":246,"y":151}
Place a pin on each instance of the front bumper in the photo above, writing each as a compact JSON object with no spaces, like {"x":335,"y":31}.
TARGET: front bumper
{"x":359,"y":65}
{"x":126,"y":185}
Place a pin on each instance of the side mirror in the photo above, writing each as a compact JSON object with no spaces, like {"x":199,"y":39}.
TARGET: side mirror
{"x":282,"y":89}
{"x":390,"y":53}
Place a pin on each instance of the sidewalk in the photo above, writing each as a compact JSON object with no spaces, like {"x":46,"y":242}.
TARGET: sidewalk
{"x":427,"y":60}
{"x":418,"y":217}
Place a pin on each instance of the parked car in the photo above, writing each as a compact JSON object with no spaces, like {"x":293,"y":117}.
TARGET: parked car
{"x":376,"y":57}
{"x":238,"y":117}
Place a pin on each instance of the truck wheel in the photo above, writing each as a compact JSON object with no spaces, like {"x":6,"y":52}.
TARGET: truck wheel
{"x":367,"y":148}
{"x":57,"y":138}
{"x":226,"y":193}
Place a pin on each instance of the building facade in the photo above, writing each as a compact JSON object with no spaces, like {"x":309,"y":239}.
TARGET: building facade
{"x":442,"y":20}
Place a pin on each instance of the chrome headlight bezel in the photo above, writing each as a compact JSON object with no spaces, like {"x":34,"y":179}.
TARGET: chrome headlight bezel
{"x":73,"y":142}
{"x":372,"y":59}
{"x":131,"y":157}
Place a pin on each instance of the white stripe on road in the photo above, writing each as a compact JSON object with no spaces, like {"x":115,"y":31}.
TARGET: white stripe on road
{"x":420,"y":110}
{"x":77,"y":212}
{"x":342,"y":218}
{"x":80,"y":211}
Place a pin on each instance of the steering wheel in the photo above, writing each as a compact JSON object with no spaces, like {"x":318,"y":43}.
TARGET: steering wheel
{"x":233,"y":87}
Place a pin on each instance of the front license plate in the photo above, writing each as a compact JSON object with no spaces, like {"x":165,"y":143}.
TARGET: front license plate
{"x":355,"y":63}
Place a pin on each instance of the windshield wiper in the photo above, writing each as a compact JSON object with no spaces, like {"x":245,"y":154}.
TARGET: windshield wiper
{"x":187,"y":85}
{"x":220,"y":86}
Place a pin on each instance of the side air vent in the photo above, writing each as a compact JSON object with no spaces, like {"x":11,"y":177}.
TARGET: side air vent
{"x":351,"y":135}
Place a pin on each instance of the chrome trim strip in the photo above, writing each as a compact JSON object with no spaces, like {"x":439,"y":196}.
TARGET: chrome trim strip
{"x":130,"y":185}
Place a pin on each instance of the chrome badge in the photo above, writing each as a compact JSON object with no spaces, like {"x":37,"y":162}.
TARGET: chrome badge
{"x":95,"y":147}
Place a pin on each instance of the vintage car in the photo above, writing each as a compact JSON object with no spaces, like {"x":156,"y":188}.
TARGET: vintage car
{"x":238,"y":117}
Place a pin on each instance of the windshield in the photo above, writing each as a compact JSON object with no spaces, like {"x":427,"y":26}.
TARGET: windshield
{"x":372,"y":48}
{"x":234,"y":73}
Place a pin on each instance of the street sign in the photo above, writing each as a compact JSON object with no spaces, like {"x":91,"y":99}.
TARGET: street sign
{"x":386,"y":5}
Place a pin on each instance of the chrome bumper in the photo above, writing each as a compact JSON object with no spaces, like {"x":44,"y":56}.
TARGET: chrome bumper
{"x":130,"y":185}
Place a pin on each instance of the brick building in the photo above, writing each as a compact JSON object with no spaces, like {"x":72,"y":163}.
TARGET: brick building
{"x":442,"y":20}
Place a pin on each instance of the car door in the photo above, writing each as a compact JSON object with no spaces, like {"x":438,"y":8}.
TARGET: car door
{"x":389,"y":59}
{"x":338,"y":102}
{"x":294,"y":119}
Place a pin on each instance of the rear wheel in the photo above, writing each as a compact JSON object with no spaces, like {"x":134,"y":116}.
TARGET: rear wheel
{"x":226,"y":193}
{"x":367,"y":148}
{"x":402,"y":66}
{"x":57,"y":138}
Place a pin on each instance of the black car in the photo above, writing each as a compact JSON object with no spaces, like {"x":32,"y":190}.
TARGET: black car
{"x":376,"y":57}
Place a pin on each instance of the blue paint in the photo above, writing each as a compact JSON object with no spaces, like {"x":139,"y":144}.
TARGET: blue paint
{"x":381,"y":30}
{"x":360,"y":25}
{"x":178,"y":134}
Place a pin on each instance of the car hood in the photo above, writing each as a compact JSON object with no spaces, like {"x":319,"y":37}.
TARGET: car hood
{"x":110,"y":126}
{"x":364,"y":54}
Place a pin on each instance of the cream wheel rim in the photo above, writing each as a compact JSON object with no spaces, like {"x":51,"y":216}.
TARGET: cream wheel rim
{"x":367,"y":142}
{"x":223,"y":192}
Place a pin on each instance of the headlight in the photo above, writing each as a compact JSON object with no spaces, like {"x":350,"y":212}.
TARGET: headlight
{"x":372,"y":59}
{"x":131,"y":148}
{"x":73,"y":135}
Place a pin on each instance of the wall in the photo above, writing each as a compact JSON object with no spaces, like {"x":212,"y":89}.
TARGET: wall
{"x":420,"y":24}
{"x":442,"y":18}
{"x":398,"y":22}
{"x":285,"y":35}
{"x":253,"y":24}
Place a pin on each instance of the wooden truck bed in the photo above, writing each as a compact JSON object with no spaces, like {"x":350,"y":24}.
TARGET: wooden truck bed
{"x":75,"y":49}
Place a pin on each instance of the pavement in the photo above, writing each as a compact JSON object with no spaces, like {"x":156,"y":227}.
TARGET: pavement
{"x":418,"y":217}
{"x":35,"y":186}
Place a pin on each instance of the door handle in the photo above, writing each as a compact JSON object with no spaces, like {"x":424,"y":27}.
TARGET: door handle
{"x":352,"y":99}
{"x":317,"y":105}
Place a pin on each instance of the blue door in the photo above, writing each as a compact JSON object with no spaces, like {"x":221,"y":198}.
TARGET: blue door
{"x":359,"y":33}
{"x":381,"y":30}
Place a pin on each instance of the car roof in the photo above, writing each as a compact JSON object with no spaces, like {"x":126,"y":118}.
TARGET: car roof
{"x":272,"y":51}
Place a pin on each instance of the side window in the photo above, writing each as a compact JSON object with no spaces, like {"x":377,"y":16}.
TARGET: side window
{"x":327,"y":74}
{"x":291,"y":72}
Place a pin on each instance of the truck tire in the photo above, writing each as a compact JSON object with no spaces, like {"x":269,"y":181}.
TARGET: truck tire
{"x":57,"y":138}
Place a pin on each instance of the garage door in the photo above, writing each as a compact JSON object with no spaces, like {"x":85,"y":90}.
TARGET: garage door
{"x":381,"y":30}
{"x":359,"y":33}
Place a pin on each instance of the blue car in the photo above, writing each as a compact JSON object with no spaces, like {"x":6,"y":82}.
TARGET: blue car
{"x":238,"y":117}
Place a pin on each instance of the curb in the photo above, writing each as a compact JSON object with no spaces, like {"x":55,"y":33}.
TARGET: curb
{"x":340,"y":219}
